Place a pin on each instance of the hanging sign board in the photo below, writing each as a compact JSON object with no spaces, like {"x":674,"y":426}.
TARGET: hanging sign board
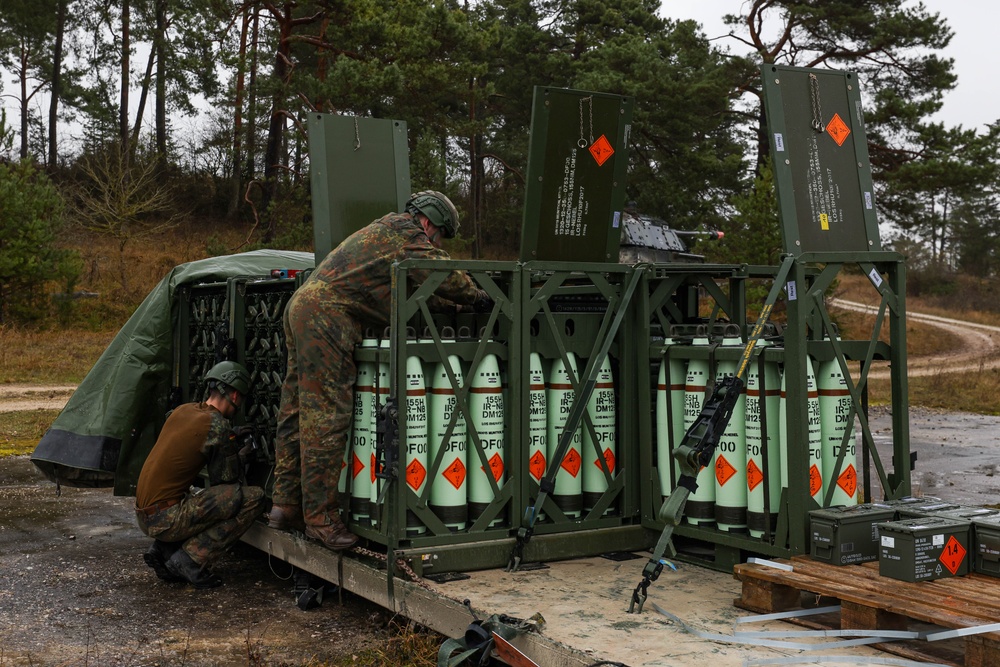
{"x":576,"y":176}
{"x":359,"y":170}
{"x":819,"y":153}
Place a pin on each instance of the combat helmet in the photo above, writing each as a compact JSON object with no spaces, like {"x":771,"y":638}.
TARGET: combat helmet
{"x":438,"y":209}
{"x":230,"y":374}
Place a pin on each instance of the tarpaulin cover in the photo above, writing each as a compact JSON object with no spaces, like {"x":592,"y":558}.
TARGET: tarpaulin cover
{"x":104,"y":433}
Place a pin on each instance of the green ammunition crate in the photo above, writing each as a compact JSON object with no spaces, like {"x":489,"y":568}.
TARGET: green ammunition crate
{"x":847,"y":535}
{"x":924,"y":549}
{"x":986,"y":545}
{"x":924,"y":507}
{"x":907,"y":501}
{"x":968,"y":513}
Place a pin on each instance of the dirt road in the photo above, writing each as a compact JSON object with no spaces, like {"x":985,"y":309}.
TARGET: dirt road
{"x":18,"y":397}
{"x":979,"y":349}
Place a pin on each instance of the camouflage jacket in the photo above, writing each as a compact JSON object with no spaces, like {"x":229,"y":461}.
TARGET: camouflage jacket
{"x":358,"y":272}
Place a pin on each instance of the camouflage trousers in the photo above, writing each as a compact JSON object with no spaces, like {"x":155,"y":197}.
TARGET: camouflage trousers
{"x":317,"y":403}
{"x":208,"y":522}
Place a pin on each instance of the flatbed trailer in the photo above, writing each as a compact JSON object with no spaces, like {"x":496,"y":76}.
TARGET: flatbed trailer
{"x":566,"y":301}
{"x":583,"y":602}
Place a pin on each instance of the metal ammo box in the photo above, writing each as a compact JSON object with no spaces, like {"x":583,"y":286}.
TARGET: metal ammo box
{"x":968,"y":513}
{"x":924,"y":507}
{"x":846,"y":535}
{"x":986,"y":544}
{"x":924,"y":549}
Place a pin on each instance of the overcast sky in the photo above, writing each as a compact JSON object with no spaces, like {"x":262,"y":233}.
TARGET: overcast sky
{"x":972,"y":104}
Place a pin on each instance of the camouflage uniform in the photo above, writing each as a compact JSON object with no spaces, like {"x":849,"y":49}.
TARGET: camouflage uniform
{"x":349,"y":290}
{"x":196,"y":435}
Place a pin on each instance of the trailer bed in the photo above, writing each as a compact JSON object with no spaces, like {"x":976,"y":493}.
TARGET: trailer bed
{"x":583,"y":601}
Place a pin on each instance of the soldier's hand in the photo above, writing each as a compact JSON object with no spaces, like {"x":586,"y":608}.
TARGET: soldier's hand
{"x":248,"y":454}
{"x":483,"y":302}
{"x":246,"y":438}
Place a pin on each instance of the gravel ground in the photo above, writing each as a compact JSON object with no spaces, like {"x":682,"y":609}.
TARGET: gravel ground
{"x":956,"y":454}
{"x":74,"y":590}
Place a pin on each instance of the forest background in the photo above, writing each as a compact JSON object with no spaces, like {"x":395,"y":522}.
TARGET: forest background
{"x":100,"y":197}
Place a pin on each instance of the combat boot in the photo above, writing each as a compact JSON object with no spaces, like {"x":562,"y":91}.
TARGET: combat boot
{"x":286,"y":517}
{"x":183,"y":566}
{"x":156,"y":557}
{"x":334,"y":536}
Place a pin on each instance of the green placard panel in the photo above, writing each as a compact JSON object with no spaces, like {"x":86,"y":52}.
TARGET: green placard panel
{"x":359,"y":170}
{"x":576,"y":176}
{"x":822,"y":173}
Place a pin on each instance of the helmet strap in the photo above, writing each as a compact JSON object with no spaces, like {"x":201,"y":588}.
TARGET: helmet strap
{"x":229,"y":399}
{"x":438,"y":230}
{"x":223,"y":390}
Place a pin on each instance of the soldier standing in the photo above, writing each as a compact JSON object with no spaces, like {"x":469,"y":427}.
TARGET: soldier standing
{"x":350,"y":289}
{"x":191,"y":529}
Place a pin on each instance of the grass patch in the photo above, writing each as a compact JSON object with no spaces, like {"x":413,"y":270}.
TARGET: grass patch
{"x":61,"y":348}
{"x":921,"y":339}
{"x":403,"y":646}
{"x":50,"y":357}
{"x":974,"y":392}
{"x":21,"y":431}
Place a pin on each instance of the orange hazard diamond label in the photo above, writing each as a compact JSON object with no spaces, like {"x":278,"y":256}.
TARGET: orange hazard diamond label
{"x":838,"y":129}
{"x":724,"y":470}
{"x":609,"y":460}
{"x":415,"y":474}
{"x":754,"y":475}
{"x":571,"y":462}
{"x":357,"y":466}
{"x":848,"y":480}
{"x":496,"y":466}
{"x":372,"y":468}
{"x":953,"y":555}
{"x":536,"y":465}
{"x":601,"y":150}
{"x":815,"y":480}
{"x":455,"y":473}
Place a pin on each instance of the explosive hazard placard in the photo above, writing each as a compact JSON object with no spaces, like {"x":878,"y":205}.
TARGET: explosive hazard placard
{"x":838,"y":129}
{"x":601,"y":150}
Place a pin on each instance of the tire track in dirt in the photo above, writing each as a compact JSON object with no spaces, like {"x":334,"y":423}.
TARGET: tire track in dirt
{"x":979,"y":349}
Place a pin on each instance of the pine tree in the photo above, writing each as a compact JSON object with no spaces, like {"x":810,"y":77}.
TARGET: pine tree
{"x":30,"y":220}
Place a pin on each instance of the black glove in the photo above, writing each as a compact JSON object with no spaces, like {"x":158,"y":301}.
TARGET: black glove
{"x":246,"y":437}
{"x":483,"y":302}
{"x":248,"y":454}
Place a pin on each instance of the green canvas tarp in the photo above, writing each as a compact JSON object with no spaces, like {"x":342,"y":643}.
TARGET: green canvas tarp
{"x":104,"y":433}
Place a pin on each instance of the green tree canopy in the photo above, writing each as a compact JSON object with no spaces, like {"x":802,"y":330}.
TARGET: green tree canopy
{"x":462,"y":76}
{"x":30,"y":219}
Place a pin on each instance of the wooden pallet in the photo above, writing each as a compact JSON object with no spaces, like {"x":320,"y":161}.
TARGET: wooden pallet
{"x":873,"y":602}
